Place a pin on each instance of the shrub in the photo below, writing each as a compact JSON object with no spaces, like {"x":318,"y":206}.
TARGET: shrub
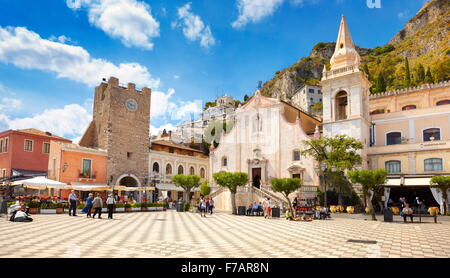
{"x":127,"y":205}
{"x":136,"y":205}
{"x":8,"y":204}
{"x":120,"y":205}
{"x":187,"y":207}
{"x":34,"y":205}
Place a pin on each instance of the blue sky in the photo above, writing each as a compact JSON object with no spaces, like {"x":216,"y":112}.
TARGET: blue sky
{"x":53,"y":53}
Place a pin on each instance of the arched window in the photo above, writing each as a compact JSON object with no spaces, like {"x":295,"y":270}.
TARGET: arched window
{"x":224,"y":161}
{"x":409,"y":107}
{"x":341,"y":105}
{"x":431,"y":134}
{"x":443,"y":102}
{"x":180,"y":170}
{"x":296,"y":155}
{"x":168,"y":169}
{"x":376,"y":112}
{"x":393,"y":166}
{"x":433,"y":164}
{"x":393,"y":138}
{"x":191,"y":171}
{"x":156,"y":167}
{"x":202,"y":173}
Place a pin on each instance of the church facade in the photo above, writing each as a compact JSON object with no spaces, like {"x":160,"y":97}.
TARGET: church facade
{"x":265,"y":142}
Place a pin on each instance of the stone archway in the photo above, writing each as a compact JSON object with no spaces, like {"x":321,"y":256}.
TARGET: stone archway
{"x":128,"y":180}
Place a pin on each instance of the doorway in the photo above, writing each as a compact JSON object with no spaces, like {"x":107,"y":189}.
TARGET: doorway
{"x":256,"y":177}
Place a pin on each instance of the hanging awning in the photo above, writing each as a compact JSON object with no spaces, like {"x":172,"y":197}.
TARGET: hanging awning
{"x":40,"y":183}
{"x":27,"y":173}
{"x":408,"y":181}
{"x":88,"y":187}
{"x":129,"y":189}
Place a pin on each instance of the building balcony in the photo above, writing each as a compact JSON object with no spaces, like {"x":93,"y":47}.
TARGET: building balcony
{"x":86,"y":176}
{"x":409,"y":147}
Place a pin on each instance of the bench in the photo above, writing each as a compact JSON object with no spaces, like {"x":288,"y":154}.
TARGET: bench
{"x":420,"y":216}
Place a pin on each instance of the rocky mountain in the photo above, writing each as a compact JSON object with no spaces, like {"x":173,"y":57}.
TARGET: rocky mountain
{"x":424,"y":41}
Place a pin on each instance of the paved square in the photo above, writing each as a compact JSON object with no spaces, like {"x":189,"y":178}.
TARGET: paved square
{"x":187,"y":235}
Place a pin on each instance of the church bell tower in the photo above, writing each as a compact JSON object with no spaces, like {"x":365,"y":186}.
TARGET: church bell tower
{"x":346,"y":93}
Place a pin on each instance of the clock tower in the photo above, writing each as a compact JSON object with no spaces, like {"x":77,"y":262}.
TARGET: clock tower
{"x":120,"y":125}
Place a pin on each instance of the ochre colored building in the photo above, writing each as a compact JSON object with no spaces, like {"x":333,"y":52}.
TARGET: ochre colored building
{"x":25,"y":152}
{"x":76,"y":165}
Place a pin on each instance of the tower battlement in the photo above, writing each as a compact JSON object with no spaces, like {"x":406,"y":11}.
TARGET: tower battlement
{"x":131,"y":87}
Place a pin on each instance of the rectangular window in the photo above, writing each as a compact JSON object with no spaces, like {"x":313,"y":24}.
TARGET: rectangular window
{"x":5,"y":145}
{"x":393,"y":166}
{"x":28,"y":147}
{"x":87,"y":168}
{"x":46,"y":147}
{"x":296,"y":156}
{"x":129,"y":155}
{"x":311,"y":91}
{"x":3,"y":173}
{"x":1,"y":145}
{"x":433,"y":164}
{"x":171,"y":150}
{"x":319,"y":92}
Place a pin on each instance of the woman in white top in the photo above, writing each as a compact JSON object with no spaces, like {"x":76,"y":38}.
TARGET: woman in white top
{"x":110,"y":202}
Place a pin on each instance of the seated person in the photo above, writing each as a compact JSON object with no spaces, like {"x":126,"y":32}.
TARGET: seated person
{"x":249,"y":209}
{"x":407,"y":212}
{"x":21,"y":216}
{"x":254,"y":208}
{"x":323,"y":213}
{"x":260,"y":209}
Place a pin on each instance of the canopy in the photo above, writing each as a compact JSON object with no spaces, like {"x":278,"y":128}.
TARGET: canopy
{"x":128,"y":189}
{"x":394,"y":182}
{"x":88,"y":187}
{"x":40,"y":183}
{"x":173,"y":187}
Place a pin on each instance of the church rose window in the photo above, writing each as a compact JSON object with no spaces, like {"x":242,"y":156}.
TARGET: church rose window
{"x":394,"y":138}
{"x":431,"y":134}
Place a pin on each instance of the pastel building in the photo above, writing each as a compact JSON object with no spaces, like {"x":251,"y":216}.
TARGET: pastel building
{"x":25,"y":153}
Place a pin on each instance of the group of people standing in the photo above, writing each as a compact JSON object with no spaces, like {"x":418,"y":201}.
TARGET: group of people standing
{"x":92,"y":203}
{"x":206,"y":205}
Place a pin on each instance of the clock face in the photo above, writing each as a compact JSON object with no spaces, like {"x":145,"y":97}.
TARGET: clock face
{"x":131,"y":105}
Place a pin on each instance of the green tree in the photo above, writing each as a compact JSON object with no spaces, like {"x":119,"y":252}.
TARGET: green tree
{"x":317,"y":108}
{"x":443,"y":184}
{"x":340,"y":184}
{"x":286,"y":187}
{"x":407,"y":82}
{"x":429,"y":76}
{"x":441,"y":70}
{"x":231,"y":181}
{"x":339,"y":153}
{"x":246,"y":98}
{"x":214,"y":131}
{"x":371,"y":181}
{"x":205,"y":189}
{"x":381,"y":83}
{"x":187,"y":182}
{"x":420,"y":74}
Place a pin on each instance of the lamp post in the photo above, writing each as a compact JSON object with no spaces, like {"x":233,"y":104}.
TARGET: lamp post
{"x":154,"y":180}
{"x":322,"y":168}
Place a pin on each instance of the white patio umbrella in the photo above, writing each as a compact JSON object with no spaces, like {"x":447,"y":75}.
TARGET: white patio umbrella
{"x":40,"y":183}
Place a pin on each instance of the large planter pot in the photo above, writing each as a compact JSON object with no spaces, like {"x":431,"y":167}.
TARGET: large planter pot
{"x":340,"y":209}
{"x":127,"y":209}
{"x":104,"y":210}
{"x":135,"y":209}
{"x":120,"y":210}
{"x":333,"y":209}
{"x":395,"y":210}
{"x":59,"y":210}
{"x":34,"y":210}
{"x":350,"y":209}
{"x":47,"y":211}
{"x":433,"y":211}
{"x":367,"y":210}
{"x":144,"y":208}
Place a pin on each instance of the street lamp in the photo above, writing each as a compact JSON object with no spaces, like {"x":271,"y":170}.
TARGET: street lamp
{"x":154,"y":180}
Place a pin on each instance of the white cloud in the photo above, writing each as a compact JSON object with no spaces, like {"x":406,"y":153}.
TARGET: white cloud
{"x":193,"y":27}
{"x":403,"y":15}
{"x":70,"y":121}
{"x":163,"y":106}
{"x":156,"y":130}
{"x":27,"y":50}
{"x":61,"y":39}
{"x":10,"y":103}
{"x":252,"y":11}
{"x":130,"y":21}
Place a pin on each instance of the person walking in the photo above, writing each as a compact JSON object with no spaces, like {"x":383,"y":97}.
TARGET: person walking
{"x":265,"y":204}
{"x":110,"y":202}
{"x":88,"y":207}
{"x":73,"y":203}
{"x":211,"y":205}
{"x":97,"y":204}
{"x":269,"y":208}
{"x":203,"y":207}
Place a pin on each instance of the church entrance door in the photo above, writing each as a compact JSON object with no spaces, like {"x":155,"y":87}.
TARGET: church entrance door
{"x":256,"y":177}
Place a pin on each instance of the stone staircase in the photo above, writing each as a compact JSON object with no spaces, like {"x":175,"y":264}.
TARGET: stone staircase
{"x":264,"y":193}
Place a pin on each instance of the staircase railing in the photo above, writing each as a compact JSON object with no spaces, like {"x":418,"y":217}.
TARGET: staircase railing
{"x":217,"y":192}
{"x":266,"y":194}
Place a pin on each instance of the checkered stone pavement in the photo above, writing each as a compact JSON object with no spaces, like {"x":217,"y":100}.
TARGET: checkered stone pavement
{"x":187,"y":235}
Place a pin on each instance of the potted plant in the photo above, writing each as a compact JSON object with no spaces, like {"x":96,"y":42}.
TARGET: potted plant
{"x":395,"y":210}
{"x":47,"y":209}
{"x":120,"y":207}
{"x":127,"y":207}
{"x":34,"y":207}
{"x":350,"y":209}
{"x":136,"y":207}
{"x":104,"y":208}
{"x":433,"y":211}
{"x":59,"y":208}
{"x":333,"y":209}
